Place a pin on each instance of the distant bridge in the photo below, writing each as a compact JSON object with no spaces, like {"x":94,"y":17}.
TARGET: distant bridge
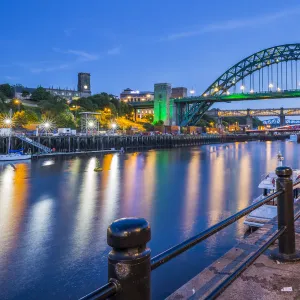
{"x":276,"y":122}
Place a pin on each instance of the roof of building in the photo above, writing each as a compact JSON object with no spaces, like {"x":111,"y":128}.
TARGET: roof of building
{"x":133,"y":92}
{"x":20,"y":89}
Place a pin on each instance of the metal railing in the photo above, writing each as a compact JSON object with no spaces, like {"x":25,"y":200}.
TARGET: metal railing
{"x":130,"y":265}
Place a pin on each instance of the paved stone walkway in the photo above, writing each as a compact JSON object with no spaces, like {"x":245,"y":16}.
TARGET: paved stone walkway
{"x":264,"y":279}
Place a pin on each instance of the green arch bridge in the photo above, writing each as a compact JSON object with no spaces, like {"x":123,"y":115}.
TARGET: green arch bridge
{"x":268,"y":74}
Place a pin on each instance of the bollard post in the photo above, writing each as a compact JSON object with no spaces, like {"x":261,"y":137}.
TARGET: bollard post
{"x":129,"y":262}
{"x":285,"y":211}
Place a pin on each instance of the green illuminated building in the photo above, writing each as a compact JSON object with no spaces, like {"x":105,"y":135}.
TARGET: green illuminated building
{"x":162,"y":109}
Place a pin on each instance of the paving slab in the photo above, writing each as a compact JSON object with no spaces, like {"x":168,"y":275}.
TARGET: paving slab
{"x":266,"y":278}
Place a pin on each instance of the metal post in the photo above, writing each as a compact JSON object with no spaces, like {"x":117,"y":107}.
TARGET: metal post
{"x":129,"y":261}
{"x":285,"y":210}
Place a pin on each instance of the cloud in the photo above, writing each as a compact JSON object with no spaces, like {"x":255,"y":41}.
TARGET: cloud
{"x":49,"y":69}
{"x":7,"y":77}
{"x":114,"y":51}
{"x":234,"y":24}
{"x":81,"y":55}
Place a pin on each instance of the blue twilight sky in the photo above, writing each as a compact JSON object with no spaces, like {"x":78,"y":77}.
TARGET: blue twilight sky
{"x":137,"y":43}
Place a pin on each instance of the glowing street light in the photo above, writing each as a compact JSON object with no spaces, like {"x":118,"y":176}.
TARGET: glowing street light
{"x":7,"y":121}
{"x":47,"y":125}
{"x":91,"y":124}
{"x":85,"y":87}
{"x":252,"y":91}
{"x":278,"y":89}
{"x":113,"y":125}
{"x":271,"y":85}
{"x":228,"y":93}
{"x":192,"y":91}
{"x":242,"y":87}
{"x":204,"y":95}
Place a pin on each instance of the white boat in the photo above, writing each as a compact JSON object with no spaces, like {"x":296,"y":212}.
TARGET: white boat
{"x":293,"y":138}
{"x":14,"y":157}
{"x":267,"y":212}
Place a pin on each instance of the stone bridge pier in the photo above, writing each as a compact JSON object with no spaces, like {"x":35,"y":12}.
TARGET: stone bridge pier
{"x":282,"y":117}
{"x":249,"y":119}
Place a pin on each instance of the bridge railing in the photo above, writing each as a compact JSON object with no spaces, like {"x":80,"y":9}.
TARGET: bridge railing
{"x":130,"y":265}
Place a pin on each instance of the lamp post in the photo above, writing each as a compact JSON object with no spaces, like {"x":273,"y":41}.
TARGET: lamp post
{"x":113,"y":126}
{"x":18,"y":102}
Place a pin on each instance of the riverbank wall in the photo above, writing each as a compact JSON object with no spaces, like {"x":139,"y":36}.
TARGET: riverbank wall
{"x":101,"y":143}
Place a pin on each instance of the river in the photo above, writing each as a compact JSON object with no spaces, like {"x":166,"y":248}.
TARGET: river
{"x":54,"y":213}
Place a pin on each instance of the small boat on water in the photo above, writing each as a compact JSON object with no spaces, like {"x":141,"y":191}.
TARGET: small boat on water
{"x":267,"y":212}
{"x":293,"y":138}
{"x":13,"y":155}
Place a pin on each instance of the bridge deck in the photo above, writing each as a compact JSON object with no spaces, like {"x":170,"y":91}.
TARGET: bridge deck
{"x":265,"y":279}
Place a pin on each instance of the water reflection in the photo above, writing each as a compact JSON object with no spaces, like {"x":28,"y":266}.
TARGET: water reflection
{"x":191,"y":198}
{"x":13,"y":196}
{"x":54,"y":217}
{"x":86,"y":211}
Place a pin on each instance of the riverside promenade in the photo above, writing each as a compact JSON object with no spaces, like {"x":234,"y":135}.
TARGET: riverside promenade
{"x":265,"y":279}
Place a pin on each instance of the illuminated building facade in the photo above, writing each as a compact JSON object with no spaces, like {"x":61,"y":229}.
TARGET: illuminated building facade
{"x":129,"y":95}
{"x":84,"y":89}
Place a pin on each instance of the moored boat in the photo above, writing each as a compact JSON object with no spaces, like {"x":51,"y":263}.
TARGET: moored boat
{"x":267,"y":212}
{"x":14,"y":157}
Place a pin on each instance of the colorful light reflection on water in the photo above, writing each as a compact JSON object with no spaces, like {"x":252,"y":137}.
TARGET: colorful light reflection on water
{"x":54,"y":216}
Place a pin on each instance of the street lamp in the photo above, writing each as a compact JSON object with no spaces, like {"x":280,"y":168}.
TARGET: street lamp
{"x":18,"y":102}
{"x":91,"y":124}
{"x":7,"y":121}
{"x":113,"y":126}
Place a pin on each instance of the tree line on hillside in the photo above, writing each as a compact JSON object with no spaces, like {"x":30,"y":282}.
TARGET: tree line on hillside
{"x":59,"y":109}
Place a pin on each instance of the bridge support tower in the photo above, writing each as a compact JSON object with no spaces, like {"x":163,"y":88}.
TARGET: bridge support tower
{"x":164,"y":109}
{"x":282,"y":117}
{"x":249,"y":120}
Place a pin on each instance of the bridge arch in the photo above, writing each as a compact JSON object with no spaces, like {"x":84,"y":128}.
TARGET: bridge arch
{"x":251,"y":64}
{"x":243,"y":70}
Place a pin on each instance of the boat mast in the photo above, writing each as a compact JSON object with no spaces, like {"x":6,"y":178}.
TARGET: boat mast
{"x":280,"y":159}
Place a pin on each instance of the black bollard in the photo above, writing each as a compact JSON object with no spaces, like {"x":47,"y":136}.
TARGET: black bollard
{"x":285,"y":210}
{"x":129,"y":260}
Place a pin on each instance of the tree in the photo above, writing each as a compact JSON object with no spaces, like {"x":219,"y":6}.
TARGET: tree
{"x":3,"y":105}
{"x":148,"y":117}
{"x":20,"y":119}
{"x":40,"y":94}
{"x":148,"y":127}
{"x":125,"y":109}
{"x":25,"y":94}
{"x":65,"y":120}
{"x":53,"y":106}
{"x":159,"y":123}
{"x":7,"y":90}
{"x":31,"y":116}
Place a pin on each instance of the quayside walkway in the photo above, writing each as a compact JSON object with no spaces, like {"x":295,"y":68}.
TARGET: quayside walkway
{"x":266,"y":278}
